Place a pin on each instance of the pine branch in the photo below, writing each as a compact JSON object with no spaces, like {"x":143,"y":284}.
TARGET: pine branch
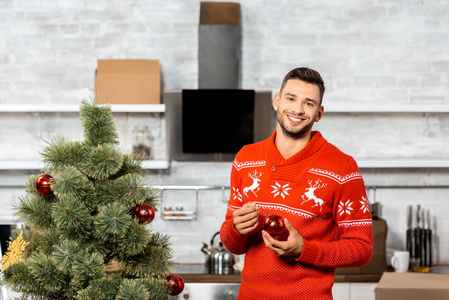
{"x":134,"y":241}
{"x":132,"y":290}
{"x":34,"y":211}
{"x":102,"y":162}
{"x":153,"y":261}
{"x":130,"y":190}
{"x":72,"y":218}
{"x":47,"y":275}
{"x":103,"y":289}
{"x":60,"y":152}
{"x":18,"y":277}
{"x":98,"y":124}
{"x":87,"y":268}
{"x":158,"y":288}
{"x":65,"y":254}
{"x":43,"y":242}
{"x":112,"y":222}
{"x":70,"y":182}
{"x":132,"y":164}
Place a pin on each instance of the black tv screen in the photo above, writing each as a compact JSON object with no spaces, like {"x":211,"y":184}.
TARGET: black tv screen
{"x":217,"y":121}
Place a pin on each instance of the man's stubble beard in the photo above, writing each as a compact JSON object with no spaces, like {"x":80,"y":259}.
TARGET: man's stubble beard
{"x":293,"y":134}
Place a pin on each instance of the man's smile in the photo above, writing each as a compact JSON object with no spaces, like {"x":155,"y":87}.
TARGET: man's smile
{"x":296,"y":119}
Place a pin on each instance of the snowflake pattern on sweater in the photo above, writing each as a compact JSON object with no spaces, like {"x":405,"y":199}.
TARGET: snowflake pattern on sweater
{"x":320,"y":190}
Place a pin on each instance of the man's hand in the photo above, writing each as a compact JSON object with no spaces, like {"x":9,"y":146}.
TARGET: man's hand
{"x":291,"y":247}
{"x":246,"y":218}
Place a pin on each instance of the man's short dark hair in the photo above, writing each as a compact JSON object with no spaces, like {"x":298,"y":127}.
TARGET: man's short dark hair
{"x":306,"y":75}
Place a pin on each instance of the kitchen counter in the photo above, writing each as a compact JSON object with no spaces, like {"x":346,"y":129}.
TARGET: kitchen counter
{"x":199,"y":273}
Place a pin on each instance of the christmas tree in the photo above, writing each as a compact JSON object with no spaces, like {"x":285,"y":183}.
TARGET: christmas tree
{"x":88,"y":213}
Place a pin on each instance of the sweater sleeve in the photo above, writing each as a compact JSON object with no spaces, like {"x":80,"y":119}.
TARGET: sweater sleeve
{"x":233,"y":241}
{"x":352,"y":215}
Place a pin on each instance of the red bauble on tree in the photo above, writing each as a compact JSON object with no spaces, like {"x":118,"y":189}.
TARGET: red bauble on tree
{"x":144,"y":212}
{"x":274,"y":224}
{"x":176,"y":284}
{"x":43,"y":184}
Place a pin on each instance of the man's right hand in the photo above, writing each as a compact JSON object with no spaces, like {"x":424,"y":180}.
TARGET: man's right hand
{"x":246,"y":218}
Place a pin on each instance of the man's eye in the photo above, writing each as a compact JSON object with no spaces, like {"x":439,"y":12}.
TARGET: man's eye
{"x":310,"y":103}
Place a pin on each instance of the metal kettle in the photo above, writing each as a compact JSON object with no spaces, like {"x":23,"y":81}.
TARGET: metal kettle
{"x":219,"y":260}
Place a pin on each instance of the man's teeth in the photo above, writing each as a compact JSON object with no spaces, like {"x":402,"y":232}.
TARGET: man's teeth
{"x":295,"y":119}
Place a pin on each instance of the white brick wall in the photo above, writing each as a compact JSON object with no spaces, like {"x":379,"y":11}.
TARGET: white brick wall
{"x":381,"y":52}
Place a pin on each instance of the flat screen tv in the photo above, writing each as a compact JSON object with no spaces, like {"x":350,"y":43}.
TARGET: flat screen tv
{"x":217,"y":120}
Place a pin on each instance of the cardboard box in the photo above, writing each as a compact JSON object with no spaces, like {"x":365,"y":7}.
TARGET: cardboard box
{"x":128,"y":81}
{"x":411,"y":286}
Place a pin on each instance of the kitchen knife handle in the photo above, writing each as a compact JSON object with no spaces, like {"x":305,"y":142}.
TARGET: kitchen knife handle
{"x":430,"y":247}
{"x":409,"y":244}
{"x":424,"y":248}
{"x":417,"y":245}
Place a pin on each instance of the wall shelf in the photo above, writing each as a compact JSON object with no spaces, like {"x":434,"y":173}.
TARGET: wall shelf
{"x":402,"y":163}
{"x":164,"y":164}
{"x":385,"y":108}
{"x":37,"y":165}
{"x":159,"y":108}
{"x":117,"y":108}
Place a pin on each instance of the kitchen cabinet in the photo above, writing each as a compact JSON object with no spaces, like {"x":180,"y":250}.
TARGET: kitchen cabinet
{"x":340,"y":291}
{"x":354,"y":290}
{"x":362,"y":290}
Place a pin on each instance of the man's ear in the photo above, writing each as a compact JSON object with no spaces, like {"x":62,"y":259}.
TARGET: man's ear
{"x":276,"y":101}
{"x":320,"y":113}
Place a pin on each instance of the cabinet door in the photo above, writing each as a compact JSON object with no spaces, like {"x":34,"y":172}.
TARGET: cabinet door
{"x":362,"y":290}
{"x":340,"y":291}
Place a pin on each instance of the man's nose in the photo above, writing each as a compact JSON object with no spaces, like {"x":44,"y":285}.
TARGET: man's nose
{"x":299,"y":108}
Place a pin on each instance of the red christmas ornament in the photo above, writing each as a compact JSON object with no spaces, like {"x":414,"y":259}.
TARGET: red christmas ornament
{"x":176,"y":284}
{"x":144,"y":212}
{"x":274,"y":224}
{"x":43,"y":184}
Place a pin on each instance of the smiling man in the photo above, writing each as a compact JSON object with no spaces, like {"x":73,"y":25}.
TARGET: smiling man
{"x":318,"y":191}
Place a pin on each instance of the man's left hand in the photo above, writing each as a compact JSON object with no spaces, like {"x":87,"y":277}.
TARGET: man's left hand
{"x":291,"y":247}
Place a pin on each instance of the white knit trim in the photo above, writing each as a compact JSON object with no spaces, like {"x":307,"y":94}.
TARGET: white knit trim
{"x":233,"y":208}
{"x":336,"y":177}
{"x":362,"y":222}
{"x":248,"y":164}
{"x":285,"y":208}
{"x":275,"y":207}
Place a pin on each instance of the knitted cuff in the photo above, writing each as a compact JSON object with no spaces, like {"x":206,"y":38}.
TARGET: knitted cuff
{"x":309,"y":252}
{"x":235,"y":235}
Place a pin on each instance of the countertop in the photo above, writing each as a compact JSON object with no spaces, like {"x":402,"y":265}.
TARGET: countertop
{"x":199,"y":273}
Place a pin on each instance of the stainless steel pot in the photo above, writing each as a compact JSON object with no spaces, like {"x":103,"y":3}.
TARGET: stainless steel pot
{"x":219,"y":260}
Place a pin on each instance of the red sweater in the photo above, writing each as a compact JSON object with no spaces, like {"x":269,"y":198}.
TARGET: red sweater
{"x":321,"y":192}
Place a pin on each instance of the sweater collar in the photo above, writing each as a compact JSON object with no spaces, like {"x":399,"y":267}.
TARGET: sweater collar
{"x":275,"y":158}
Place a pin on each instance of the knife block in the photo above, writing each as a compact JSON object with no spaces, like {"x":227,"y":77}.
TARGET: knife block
{"x":378,"y":263}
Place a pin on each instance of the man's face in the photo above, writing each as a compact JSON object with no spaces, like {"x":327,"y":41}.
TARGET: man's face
{"x":298,"y":107}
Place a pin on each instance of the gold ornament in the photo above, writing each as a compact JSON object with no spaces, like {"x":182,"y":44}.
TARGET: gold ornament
{"x":14,"y":252}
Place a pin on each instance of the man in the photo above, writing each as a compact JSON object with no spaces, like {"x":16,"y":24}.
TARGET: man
{"x":315,"y":187}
